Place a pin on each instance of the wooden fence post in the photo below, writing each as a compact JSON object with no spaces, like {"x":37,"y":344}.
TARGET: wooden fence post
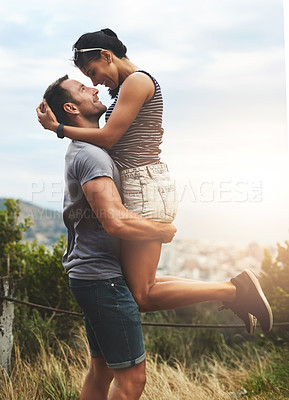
{"x":6,"y":323}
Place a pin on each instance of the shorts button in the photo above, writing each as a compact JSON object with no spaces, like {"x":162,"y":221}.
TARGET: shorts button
{"x":112,"y":284}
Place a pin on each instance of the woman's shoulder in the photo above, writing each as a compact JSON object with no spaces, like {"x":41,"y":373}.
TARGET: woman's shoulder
{"x":138,"y":82}
{"x":140,"y":75}
{"x":147,"y":77}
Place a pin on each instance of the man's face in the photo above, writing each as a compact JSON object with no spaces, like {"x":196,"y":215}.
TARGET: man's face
{"x":89,"y":103}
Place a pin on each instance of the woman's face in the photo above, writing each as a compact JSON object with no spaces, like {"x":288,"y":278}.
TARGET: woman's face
{"x":102,"y":71}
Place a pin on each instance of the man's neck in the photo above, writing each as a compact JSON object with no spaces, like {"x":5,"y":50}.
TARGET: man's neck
{"x":86,"y":123}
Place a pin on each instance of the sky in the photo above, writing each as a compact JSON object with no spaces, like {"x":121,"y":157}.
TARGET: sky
{"x":221,"y":66}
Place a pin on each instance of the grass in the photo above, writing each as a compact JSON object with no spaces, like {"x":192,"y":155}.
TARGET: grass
{"x":58,"y":375}
{"x":272,"y":382}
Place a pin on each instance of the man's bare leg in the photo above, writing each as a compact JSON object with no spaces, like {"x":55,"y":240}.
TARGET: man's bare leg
{"x":128,"y":383}
{"x":97,"y":380}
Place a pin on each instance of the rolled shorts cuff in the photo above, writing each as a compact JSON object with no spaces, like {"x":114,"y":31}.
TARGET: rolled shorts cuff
{"x":127,"y":364}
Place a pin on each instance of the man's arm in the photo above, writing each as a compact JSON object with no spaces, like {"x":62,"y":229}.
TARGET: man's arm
{"x":105,"y":201}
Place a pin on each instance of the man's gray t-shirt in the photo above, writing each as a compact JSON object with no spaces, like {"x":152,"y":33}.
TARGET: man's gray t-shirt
{"x":91,"y":252}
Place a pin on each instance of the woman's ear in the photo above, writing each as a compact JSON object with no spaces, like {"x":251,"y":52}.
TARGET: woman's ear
{"x":71,"y":108}
{"x":106,"y":54}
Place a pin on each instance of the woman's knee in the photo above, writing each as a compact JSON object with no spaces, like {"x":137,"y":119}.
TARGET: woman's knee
{"x":144,"y":298}
{"x":143,"y":301}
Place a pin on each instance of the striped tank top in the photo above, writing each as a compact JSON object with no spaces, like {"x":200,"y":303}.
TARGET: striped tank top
{"x":140,"y":143}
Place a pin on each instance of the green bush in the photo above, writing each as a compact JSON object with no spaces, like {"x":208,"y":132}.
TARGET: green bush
{"x":40,"y":278}
{"x":274,"y":379}
{"x":188,"y":344}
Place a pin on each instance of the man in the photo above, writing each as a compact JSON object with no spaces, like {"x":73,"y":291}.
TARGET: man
{"x":96,"y":220}
{"x":95,"y":217}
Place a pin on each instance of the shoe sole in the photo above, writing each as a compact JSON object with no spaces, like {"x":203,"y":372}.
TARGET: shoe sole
{"x":257,"y":285}
{"x":253,"y":323}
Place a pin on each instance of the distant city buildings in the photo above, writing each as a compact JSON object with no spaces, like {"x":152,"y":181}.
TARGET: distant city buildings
{"x":209,"y":261}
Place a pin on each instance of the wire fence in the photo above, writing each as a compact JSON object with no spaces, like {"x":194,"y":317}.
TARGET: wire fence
{"x":169,"y":325}
{"x":7,"y":315}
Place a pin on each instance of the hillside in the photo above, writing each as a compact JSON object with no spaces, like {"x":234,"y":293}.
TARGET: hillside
{"x":48,"y":224}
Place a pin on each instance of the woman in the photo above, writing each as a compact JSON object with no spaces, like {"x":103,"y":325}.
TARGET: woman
{"x":132,"y":134}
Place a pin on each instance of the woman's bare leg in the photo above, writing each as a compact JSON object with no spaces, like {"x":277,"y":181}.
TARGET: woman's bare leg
{"x":139,"y":262}
{"x":168,"y":278}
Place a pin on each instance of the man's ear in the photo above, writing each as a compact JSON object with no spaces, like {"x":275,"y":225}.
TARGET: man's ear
{"x":71,"y":108}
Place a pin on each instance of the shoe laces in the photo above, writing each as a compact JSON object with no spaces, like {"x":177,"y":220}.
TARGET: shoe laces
{"x":223,"y":307}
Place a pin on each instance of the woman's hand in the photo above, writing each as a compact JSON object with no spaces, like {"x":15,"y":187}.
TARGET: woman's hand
{"x":46,"y":117}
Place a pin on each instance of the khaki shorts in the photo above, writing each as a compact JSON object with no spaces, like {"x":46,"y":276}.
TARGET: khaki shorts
{"x":149,"y":191}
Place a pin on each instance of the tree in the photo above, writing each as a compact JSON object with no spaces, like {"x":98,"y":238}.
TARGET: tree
{"x":11,"y":233}
{"x":38,"y":277}
{"x":275,"y":281}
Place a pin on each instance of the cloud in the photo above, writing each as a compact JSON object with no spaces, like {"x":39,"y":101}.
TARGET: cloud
{"x":243,"y":70}
{"x":220,"y":65}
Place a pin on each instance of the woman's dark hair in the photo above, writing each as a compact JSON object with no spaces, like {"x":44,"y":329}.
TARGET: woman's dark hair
{"x":105,"y":39}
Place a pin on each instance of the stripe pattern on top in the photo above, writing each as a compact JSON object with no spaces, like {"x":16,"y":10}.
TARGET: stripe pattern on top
{"x":140,"y":144}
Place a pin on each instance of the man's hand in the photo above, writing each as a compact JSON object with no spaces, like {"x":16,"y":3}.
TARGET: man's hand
{"x":46,"y":117}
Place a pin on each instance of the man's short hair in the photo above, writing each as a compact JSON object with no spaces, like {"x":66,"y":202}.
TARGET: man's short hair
{"x":56,"y":96}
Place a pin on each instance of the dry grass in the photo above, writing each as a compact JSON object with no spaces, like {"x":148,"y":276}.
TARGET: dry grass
{"x":59,"y":376}
{"x":209,"y":380}
{"x":48,"y":377}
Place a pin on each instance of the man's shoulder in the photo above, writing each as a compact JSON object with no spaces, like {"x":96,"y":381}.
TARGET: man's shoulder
{"x":85,"y":161}
{"x":77,"y":146}
{"x":82,"y":151}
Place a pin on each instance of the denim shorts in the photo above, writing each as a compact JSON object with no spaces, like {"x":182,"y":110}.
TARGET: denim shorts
{"x":150,"y":192}
{"x":112,"y":321}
